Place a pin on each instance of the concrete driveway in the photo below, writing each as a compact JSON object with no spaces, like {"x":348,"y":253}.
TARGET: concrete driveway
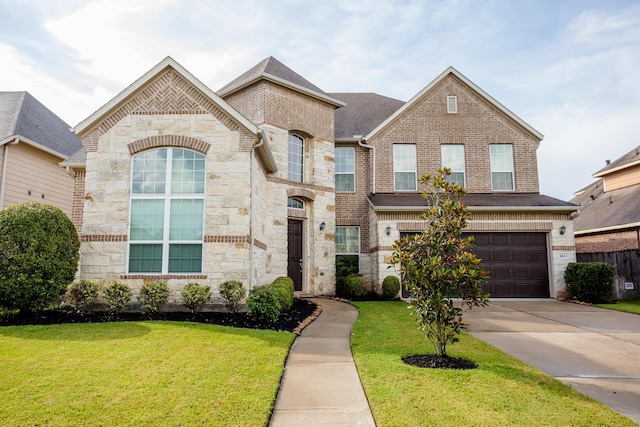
{"x":596,"y":351}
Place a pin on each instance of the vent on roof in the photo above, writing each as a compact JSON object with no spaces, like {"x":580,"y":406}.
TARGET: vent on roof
{"x":452,"y":104}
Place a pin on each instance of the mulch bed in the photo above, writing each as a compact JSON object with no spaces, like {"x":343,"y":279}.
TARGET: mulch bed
{"x":438,"y":362}
{"x":289,"y":321}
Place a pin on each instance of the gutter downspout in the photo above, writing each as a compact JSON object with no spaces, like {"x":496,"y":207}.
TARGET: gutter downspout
{"x":373,"y":152}
{"x":251,"y":211}
{"x":3,"y":176}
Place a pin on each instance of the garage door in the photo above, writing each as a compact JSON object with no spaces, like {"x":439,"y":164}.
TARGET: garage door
{"x":517,"y":264}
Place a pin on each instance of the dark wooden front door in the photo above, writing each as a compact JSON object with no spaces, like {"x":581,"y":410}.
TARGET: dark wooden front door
{"x":294,"y":265}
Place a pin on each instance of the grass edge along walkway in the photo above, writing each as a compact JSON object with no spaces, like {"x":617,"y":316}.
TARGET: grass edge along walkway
{"x":139,"y":373}
{"x":625,"y":305}
{"x":501,"y":391}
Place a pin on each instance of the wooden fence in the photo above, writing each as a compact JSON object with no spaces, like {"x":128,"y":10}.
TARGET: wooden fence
{"x":627,"y":270}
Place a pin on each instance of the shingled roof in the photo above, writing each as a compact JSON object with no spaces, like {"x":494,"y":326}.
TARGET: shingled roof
{"x":475,"y":201}
{"x":272,"y":69}
{"x":23,"y":116}
{"x":632,"y":157}
{"x":363,"y":113}
{"x":613,"y":209}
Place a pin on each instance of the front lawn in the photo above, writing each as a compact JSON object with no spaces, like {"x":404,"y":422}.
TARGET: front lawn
{"x":139,"y":373}
{"x":625,"y":305}
{"x":501,"y":391}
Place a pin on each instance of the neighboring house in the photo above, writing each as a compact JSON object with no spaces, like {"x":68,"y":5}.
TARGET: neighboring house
{"x":607,"y":226}
{"x":33,"y":141}
{"x":272,"y":176}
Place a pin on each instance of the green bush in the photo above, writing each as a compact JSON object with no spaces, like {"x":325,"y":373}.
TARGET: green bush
{"x":38,"y":256}
{"x":195,"y":296}
{"x":153,"y":294}
{"x":81,"y":293}
{"x":263,"y":304}
{"x":117,"y":295}
{"x":589,"y":281}
{"x":354,"y":286}
{"x":285,"y":289}
{"x":390,"y":287}
{"x":232,"y":291}
{"x":345,"y":266}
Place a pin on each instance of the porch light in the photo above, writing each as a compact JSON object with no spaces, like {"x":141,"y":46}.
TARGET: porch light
{"x":322,"y":225}
{"x":388,"y":230}
{"x":562,"y":230}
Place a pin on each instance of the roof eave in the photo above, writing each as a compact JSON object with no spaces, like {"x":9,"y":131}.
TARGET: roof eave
{"x":451,"y":70}
{"x":608,"y":228}
{"x":270,"y":77}
{"x":559,"y":209}
{"x":133,"y":88}
{"x":34,"y":144}
{"x":604,"y":172}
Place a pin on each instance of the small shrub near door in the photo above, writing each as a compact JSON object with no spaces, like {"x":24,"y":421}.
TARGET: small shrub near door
{"x":153,"y":294}
{"x":116,"y":296}
{"x":285,"y":288}
{"x":195,"y":296}
{"x":232,"y":292}
{"x":81,"y":293}
{"x":590,"y":282}
{"x":390,"y":287}
{"x":263,"y":304}
{"x":354,"y":286}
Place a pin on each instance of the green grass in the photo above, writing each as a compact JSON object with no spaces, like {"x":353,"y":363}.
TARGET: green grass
{"x":139,"y":373}
{"x":627,"y":306}
{"x":502,"y":392}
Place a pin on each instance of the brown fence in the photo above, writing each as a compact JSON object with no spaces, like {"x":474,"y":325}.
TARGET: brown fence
{"x":627,"y":270}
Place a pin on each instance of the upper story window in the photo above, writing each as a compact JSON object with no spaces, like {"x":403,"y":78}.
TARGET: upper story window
{"x":453,"y":158}
{"x":452,"y":104}
{"x":295,"y":203}
{"x":404,"y":167}
{"x":166,"y":229}
{"x":502,"y":178}
{"x":345,"y":169}
{"x":296,"y":158}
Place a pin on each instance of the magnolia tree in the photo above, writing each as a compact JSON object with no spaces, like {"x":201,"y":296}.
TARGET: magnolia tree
{"x":443,"y":276}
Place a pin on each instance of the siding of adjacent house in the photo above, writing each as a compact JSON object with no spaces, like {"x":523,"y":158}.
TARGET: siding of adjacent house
{"x":32,"y":170}
{"x":622,"y":178}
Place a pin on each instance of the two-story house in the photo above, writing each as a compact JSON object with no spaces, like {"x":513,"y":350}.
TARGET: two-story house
{"x":272,"y":176}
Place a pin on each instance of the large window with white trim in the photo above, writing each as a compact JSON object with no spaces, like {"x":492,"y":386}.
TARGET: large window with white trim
{"x":453,"y":158}
{"x":296,"y":158}
{"x":404,"y":167}
{"x":167,"y":211}
{"x":502,"y":178}
{"x":345,"y":169}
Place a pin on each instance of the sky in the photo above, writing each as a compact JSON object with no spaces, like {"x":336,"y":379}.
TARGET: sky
{"x":569,"y":68}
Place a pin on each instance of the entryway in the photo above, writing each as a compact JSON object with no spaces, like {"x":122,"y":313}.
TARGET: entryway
{"x":295,"y":265}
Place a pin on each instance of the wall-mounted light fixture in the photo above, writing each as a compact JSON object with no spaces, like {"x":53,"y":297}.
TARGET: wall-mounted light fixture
{"x":388,"y":230}
{"x":322,"y":225}
{"x":563,"y":229}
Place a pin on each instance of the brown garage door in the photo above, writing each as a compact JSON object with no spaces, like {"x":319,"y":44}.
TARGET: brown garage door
{"x":517,"y":264}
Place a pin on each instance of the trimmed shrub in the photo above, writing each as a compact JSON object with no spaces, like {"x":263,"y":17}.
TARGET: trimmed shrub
{"x":195,"y":296}
{"x":38,"y":256}
{"x":81,"y":293}
{"x":390,"y":287}
{"x":117,"y":295}
{"x":285,"y":288}
{"x":153,"y":294}
{"x":589,"y":281}
{"x":232,"y":291}
{"x":345,"y":266}
{"x":263,"y":304}
{"x":354,"y":286}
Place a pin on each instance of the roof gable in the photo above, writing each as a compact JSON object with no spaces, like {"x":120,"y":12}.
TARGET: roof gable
{"x":275,"y":71}
{"x":632,"y":158}
{"x":24,"y":117}
{"x":453,"y":72}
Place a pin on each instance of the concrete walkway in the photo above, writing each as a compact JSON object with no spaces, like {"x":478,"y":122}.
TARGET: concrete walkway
{"x":320,"y":385}
{"x":594,"y":350}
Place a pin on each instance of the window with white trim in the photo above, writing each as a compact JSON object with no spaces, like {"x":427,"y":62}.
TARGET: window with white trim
{"x":502,"y":178}
{"x":345,"y":169}
{"x":404,"y":167}
{"x":452,"y":104}
{"x":347,"y":250}
{"x":296,"y":158}
{"x":453,"y":158}
{"x":166,"y":230}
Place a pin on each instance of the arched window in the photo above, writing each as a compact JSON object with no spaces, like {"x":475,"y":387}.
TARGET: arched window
{"x":167,"y":209}
{"x":295,"y":203}
{"x":296,"y":158}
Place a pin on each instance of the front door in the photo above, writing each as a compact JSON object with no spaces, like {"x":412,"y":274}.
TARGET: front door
{"x":294,"y":265}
